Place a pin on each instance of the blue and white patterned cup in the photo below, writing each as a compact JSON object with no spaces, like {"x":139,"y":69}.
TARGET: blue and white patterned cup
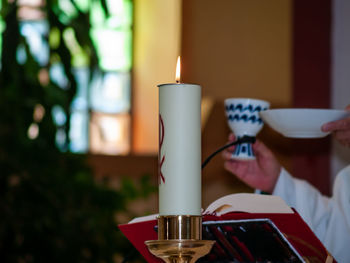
{"x":244,"y":120}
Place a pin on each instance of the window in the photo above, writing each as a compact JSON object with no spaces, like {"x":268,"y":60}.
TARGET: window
{"x":100,"y":120}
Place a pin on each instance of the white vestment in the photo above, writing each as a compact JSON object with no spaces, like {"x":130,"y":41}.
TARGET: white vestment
{"x":329,"y":218}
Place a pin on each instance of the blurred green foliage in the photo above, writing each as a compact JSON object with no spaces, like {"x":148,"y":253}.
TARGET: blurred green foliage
{"x":51,"y":208}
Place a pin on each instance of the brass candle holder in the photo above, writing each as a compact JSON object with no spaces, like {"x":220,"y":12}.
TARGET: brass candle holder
{"x":179,"y":239}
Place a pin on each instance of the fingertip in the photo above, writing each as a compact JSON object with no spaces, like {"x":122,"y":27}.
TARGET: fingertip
{"x":226,"y":154}
{"x":257,"y":142}
{"x":258,"y":145}
{"x":261,"y":149}
{"x":231,"y":137}
{"x":326,"y":127}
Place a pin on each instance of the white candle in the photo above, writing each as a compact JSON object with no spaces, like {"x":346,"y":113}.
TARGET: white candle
{"x":179,"y":149}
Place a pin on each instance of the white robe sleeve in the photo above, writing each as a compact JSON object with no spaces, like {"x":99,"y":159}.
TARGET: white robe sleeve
{"x":329,"y":218}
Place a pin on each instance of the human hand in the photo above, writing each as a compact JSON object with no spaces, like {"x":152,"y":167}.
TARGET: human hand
{"x":340,"y":129}
{"x":261,"y":173}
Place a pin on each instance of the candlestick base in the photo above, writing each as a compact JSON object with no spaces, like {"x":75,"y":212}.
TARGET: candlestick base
{"x":179,"y":239}
{"x":179,"y":251}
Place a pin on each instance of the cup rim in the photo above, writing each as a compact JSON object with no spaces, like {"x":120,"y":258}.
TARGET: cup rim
{"x":245,"y":99}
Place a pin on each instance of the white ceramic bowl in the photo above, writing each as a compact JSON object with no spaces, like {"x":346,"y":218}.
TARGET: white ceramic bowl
{"x":301,"y":123}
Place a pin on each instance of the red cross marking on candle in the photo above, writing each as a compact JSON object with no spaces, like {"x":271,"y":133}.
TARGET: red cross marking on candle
{"x":161,"y":159}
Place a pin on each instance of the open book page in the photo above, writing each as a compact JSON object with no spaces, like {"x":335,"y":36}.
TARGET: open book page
{"x":249,"y":203}
{"x":143,"y":218}
{"x":243,"y":202}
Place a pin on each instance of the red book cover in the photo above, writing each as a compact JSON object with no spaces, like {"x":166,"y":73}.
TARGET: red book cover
{"x":279,"y":235}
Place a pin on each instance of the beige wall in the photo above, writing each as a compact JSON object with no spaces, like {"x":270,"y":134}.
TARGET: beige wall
{"x":237,"y":48}
{"x":157,"y":35}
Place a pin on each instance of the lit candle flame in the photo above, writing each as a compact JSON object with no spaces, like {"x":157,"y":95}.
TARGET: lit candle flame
{"x":177,"y":76}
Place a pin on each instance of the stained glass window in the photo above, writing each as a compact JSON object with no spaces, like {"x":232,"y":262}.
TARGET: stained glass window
{"x":100,"y":120}
{"x":100,"y":112}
